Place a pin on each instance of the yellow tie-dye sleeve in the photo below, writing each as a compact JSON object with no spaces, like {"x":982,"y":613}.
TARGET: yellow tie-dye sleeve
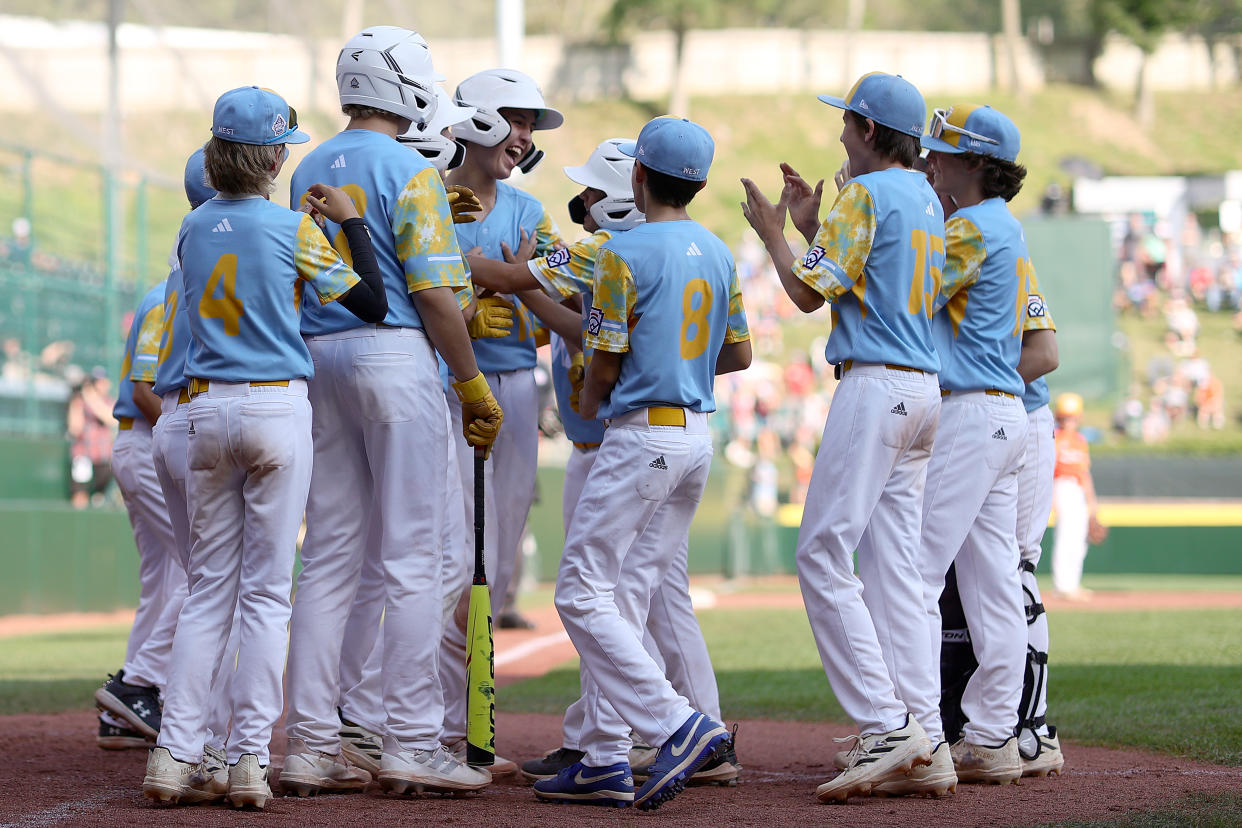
{"x":147,"y":346}
{"x":608,"y":324}
{"x":318,"y":263}
{"x":737,"y":331}
{"x":841,"y":247}
{"x":426,"y":242}
{"x":964,"y":252}
{"x":568,"y":271}
{"x":547,"y":236}
{"x":464,"y":295}
{"x":1038,"y":317}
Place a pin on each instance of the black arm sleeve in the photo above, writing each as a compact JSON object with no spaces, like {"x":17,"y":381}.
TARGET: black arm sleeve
{"x":367,"y":299}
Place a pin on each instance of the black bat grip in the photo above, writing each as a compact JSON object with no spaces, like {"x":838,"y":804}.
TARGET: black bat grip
{"x":480,"y":575}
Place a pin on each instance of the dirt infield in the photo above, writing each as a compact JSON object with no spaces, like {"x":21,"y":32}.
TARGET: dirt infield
{"x":54,"y":775}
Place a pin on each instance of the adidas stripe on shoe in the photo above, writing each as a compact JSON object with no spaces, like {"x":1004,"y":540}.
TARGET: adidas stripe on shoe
{"x":878,"y":755}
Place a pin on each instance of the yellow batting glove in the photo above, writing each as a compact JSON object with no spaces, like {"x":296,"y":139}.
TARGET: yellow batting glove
{"x":481,"y":415}
{"x":462,"y":202}
{"x":577,"y":378}
{"x":492,"y":319}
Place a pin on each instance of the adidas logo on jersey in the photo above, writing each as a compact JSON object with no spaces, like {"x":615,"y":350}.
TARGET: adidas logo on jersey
{"x":339,"y":163}
{"x":222,"y":226}
{"x":931,"y":211}
{"x":693,"y":250}
{"x":659,"y":463}
{"x":999,"y":435}
{"x":899,"y":408}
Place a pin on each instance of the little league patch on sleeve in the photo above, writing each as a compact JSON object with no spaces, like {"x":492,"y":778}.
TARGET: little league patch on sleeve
{"x":813,"y":257}
{"x":558,"y":257}
{"x":1035,"y":308}
{"x":595,"y":321}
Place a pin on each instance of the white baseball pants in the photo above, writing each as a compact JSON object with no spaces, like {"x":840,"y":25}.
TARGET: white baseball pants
{"x":508,"y":492}
{"x":970,"y":518}
{"x":1069,"y":544}
{"x":168,"y":450}
{"x":379,"y":426}
{"x":646,"y":479}
{"x":1034,"y":504}
{"x":249,"y":456}
{"x":672,"y":637}
{"x":866,"y":494}
{"x":160,"y":576}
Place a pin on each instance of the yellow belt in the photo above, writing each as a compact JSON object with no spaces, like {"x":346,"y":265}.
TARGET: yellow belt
{"x":586,"y":446}
{"x":126,"y":423}
{"x":991,"y":392}
{"x":183,"y":396}
{"x":849,"y":363}
{"x":198,"y":386}
{"x":659,"y":415}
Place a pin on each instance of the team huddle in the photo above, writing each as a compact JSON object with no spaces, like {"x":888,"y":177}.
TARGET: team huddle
{"x":349,"y":361}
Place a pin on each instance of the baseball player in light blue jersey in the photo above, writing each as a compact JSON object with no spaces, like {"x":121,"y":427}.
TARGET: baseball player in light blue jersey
{"x":245,"y":263}
{"x":970,"y":517}
{"x":168,"y":447}
{"x":667,"y":287}
{"x":509,"y":107}
{"x":877,"y":259}
{"x":380,"y":423}
{"x":130,"y":698}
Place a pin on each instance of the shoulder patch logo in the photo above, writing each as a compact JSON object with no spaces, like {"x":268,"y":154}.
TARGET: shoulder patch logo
{"x":558,"y":257}
{"x":1035,"y":307}
{"x":899,"y":408}
{"x":595,"y":321}
{"x":813,"y":257}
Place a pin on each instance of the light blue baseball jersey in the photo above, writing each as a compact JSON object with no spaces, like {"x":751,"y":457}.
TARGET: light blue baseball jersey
{"x":877,"y":258}
{"x":402,"y":200}
{"x":515,"y":210}
{"x":141,"y":351}
{"x":982,"y":301}
{"x":1038,"y":318}
{"x":244,"y":262}
{"x":174,"y":336}
{"x":668,"y":297}
{"x":565,"y":272}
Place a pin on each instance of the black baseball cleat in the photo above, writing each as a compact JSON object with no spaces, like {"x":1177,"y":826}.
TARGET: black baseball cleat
{"x":117,"y":737}
{"x":552,"y":764}
{"x":723,"y":768}
{"x":138,"y":707}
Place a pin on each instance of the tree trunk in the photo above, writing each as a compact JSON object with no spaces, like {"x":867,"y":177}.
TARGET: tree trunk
{"x":678,"y":97}
{"x":1144,"y":104}
{"x":1011,"y":16}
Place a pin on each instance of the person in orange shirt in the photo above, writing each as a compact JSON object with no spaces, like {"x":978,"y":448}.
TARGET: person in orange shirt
{"x":1073,"y":498}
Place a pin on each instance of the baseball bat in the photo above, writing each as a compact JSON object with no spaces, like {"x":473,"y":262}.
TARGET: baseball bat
{"x":480,"y":667}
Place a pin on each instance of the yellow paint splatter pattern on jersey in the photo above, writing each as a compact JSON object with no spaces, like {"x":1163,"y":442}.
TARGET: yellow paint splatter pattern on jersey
{"x":547,"y":236}
{"x":737,"y":331}
{"x":426,"y":241}
{"x":568,"y":276}
{"x":608,"y":326}
{"x":965,"y":253}
{"x":1038,"y":317}
{"x":834,"y":264}
{"x":147,"y":346}
{"x":318,"y":262}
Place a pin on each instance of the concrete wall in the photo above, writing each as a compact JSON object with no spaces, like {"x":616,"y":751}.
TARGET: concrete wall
{"x":187,"y":68}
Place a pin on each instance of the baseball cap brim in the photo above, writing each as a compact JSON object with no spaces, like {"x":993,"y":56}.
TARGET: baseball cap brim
{"x":629,"y":148}
{"x":293,"y":136}
{"x":832,"y":100}
{"x":940,"y":145}
{"x":549,"y":119}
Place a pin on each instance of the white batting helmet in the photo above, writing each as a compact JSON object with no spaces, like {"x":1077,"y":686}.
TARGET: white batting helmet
{"x":388,"y":68}
{"x":444,"y":153}
{"x":493,"y":89}
{"x":608,"y":169}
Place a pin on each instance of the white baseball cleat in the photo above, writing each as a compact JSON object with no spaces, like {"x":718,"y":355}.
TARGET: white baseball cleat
{"x":175,"y":782}
{"x":308,"y":772}
{"x":878,"y":756}
{"x":1049,"y":761}
{"x":435,"y":771}
{"x":500,"y":766}
{"x":935,"y":780}
{"x":362,"y":747}
{"x":248,"y":786}
{"x":996,"y":765}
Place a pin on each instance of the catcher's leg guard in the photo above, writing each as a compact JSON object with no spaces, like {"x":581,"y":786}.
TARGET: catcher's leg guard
{"x":957,"y":658}
{"x":1033,"y":707}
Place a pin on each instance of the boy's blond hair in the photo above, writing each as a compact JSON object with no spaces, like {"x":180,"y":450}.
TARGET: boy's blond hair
{"x":241,"y":169}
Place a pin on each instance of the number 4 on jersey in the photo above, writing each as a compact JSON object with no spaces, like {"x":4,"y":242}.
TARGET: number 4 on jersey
{"x":227,"y":307}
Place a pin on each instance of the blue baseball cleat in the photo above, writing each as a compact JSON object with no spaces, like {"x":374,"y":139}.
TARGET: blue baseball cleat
{"x":695,"y":742}
{"x":584,"y":785}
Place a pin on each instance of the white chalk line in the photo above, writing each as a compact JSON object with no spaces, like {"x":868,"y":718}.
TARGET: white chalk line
{"x":62,"y":812}
{"x":528,"y":648}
